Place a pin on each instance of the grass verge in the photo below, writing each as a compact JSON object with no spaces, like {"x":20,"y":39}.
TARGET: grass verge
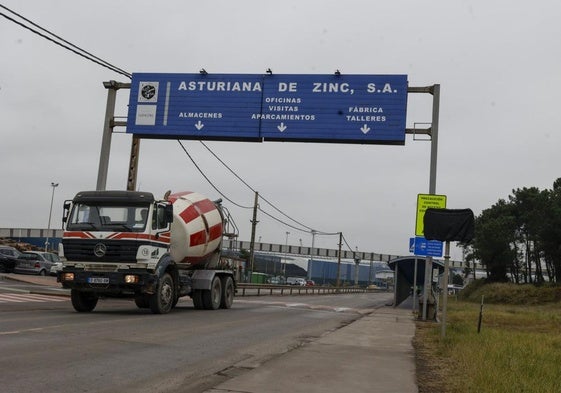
{"x":518,"y":349}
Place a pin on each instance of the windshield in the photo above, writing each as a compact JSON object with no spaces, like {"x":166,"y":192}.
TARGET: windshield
{"x":107,"y":217}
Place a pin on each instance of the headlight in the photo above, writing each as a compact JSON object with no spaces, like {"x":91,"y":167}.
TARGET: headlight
{"x":131,"y":279}
{"x":68,"y":277}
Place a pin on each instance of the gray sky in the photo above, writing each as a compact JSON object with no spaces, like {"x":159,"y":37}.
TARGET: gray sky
{"x":498,"y":64}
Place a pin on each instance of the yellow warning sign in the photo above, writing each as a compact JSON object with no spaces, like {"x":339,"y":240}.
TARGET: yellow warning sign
{"x":425,"y":201}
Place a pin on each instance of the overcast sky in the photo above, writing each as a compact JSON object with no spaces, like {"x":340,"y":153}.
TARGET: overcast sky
{"x":498,"y":64}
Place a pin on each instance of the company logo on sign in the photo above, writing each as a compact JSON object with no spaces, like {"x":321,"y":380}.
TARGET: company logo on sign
{"x":148,"y":92}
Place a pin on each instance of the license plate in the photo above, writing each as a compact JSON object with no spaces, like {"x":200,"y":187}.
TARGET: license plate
{"x":98,"y":280}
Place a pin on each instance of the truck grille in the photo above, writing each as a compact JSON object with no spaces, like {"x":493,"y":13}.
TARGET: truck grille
{"x":115,"y":250}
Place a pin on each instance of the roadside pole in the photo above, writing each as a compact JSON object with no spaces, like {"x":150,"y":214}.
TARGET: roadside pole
{"x":253,"y":229}
{"x":338,"y":284}
{"x":445,"y":286}
{"x":415,"y":286}
{"x":108,"y":124}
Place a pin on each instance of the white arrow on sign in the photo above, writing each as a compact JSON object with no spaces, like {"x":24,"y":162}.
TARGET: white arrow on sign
{"x":199,"y":125}
{"x":365,"y":129}
{"x":282,"y":127}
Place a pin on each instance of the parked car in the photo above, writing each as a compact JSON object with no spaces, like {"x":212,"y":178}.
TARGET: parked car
{"x":8,"y":256}
{"x":35,"y":262}
{"x":310,"y":283}
{"x":57,"y":267}
{"x":296,"y":281}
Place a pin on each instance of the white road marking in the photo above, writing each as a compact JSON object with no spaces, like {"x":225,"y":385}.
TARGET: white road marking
{"x":30,"y":297}
{"x":306,"y":306}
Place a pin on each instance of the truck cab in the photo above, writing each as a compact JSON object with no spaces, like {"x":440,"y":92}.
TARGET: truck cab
{"x":127,"y":229}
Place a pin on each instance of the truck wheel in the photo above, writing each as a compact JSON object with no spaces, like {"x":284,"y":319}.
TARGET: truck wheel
{"x":83,"y":301}
{"x":197,"y":297}
{"x":142,"y":301}
{"x":227,"y":292}
{"x":161,"y":302}
{"x":212,"y":296}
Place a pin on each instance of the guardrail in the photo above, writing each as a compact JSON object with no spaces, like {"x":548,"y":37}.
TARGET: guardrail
{"x":245,"y":289}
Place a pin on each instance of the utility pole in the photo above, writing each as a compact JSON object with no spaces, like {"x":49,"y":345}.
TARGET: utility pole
{"x":357,"y":266}
{"x":311,"y":255}
{"x":253,"y":228}
{"x":285,"y":255}
{"x":339,"y":260}
{"x":133,"y":164}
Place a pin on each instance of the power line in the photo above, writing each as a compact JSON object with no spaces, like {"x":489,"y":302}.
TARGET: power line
{"x":309,"y":229}
{"x":260,"y":196}
{"x":65,"y":44}
{"x":208,"y":180}
{"x":345,"y":241}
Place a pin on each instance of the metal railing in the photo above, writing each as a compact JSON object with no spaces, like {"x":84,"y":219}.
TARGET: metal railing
{"x":245,"y":289}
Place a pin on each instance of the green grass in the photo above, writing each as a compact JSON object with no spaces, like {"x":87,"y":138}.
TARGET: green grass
{"x":518,"y":349}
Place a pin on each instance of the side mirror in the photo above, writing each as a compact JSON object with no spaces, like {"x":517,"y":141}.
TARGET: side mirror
{"x":168,"y":213}
{"x":66,"y":211}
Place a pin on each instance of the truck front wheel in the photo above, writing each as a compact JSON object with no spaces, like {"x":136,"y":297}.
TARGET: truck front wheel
{"x":161,"y":302}
{"x":212,"y":297}
{"x":83,"y":301}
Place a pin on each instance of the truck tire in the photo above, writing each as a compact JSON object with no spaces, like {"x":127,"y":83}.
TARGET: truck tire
{"x":83,"y":301}
{"x":142,"y":301}
{"x":161,"y":302}
{"x":227,"y":292}
{"x":197,"y":297}
{"x":212,"y":297}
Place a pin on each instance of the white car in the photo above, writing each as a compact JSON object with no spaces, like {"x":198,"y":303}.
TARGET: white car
{"x":57,"y":267}
{"x":296,"y":281}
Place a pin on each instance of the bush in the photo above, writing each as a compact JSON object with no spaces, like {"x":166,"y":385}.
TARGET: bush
{"x":509,"y":293}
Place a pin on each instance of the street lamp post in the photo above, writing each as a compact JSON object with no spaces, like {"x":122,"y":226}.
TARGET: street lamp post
{"x":53,"y":185}
{"x":285,"y":256}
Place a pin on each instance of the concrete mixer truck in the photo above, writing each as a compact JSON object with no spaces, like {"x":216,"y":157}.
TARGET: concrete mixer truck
{"x":128,"y":244}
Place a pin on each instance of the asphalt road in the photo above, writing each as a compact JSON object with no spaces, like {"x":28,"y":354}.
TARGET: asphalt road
{"x":45,"y":346}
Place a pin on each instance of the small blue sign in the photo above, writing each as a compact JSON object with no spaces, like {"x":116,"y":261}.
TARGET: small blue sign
{"x":366,"y":109}
{"x":424,"y":247}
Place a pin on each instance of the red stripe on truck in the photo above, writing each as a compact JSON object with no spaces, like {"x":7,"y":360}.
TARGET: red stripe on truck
{"x":197,"y":238}
{"x":205,"y":206}
{"x":81,"y":235}
{"x":215,"y":231}
{"x":200,"y":238}
{"x":189,"y":214}
{"x":197,"y":209}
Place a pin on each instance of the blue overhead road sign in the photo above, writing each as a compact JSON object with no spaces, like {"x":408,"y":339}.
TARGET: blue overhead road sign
{"x":369,"y":109}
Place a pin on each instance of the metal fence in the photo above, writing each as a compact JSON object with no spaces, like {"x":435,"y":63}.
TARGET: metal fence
{"x":244,"y":289}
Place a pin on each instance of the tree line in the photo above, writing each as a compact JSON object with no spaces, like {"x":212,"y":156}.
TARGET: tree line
{"x":519,"y":239}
